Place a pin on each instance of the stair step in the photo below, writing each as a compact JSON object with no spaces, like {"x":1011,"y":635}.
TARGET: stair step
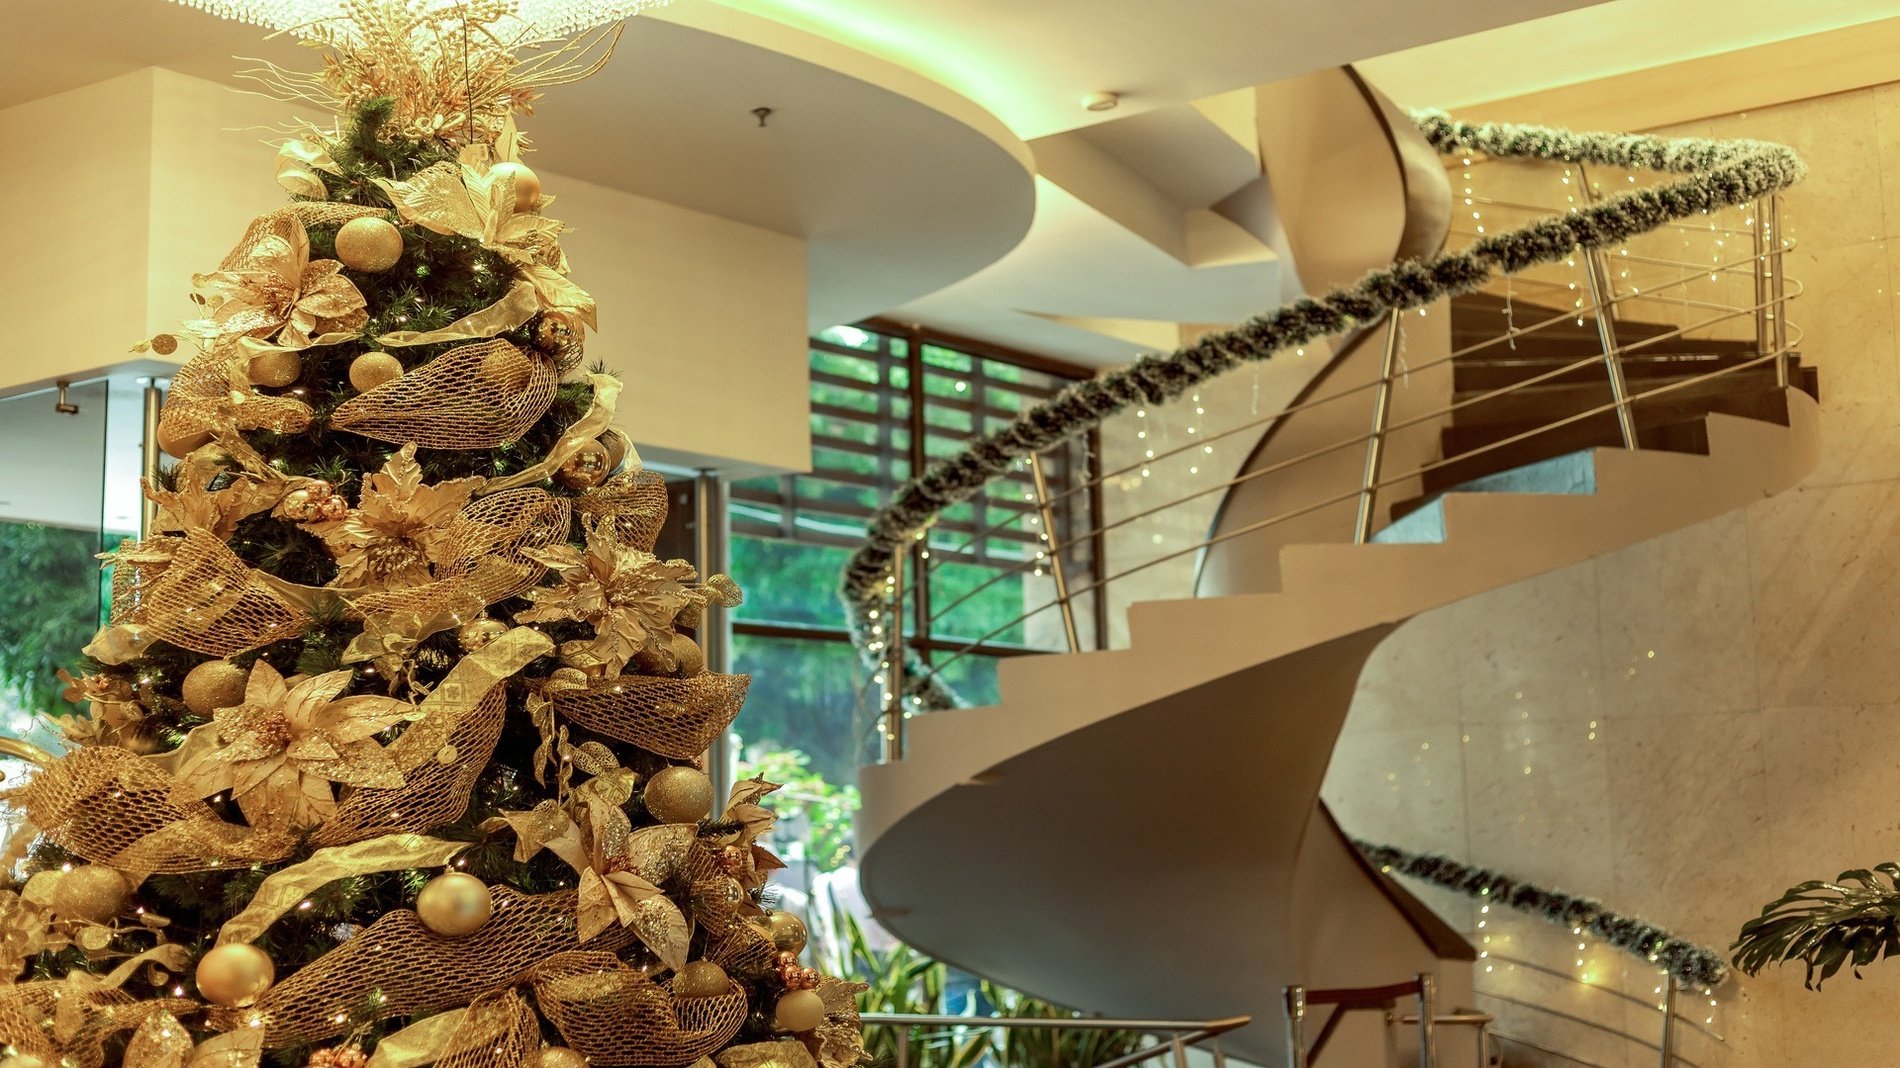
{"x":1547,"y":401}
{"x":1499,"y":367}
{"x":1478,"y":316}
{"x":1422,"y":519}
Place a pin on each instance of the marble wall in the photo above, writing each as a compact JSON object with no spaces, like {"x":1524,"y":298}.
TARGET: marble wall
{"x":1688,"y":726}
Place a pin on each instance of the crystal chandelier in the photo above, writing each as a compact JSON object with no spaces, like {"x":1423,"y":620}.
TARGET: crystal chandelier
{"x":540,"y":19}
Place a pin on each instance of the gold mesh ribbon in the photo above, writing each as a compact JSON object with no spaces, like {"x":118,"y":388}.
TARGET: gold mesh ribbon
{"x":633,"y":505}
{"x":677,"y":718}
{"x":67,"y":1022}
{"x":194,"y":592}
{"x":614,"y":1015}
{"x":470,"y":397}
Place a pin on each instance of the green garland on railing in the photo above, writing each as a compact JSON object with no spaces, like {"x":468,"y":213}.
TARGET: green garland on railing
{"x":1691,"y":964}
{"x":1723,"y":173}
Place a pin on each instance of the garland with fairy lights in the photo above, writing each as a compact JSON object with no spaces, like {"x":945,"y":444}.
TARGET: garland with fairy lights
{"x":1720,"y":174}
{"x":1691,"y":965}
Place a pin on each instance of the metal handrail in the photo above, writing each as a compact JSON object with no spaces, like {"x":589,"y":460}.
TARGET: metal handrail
{"x":1181,"y":1033}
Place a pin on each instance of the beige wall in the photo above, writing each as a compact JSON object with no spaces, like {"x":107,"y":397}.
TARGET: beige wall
{"x":1688,"y":726}
{"x":138,"y":182}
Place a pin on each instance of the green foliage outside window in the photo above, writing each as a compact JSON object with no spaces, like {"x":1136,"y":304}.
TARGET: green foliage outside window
{"x":49,"y":608}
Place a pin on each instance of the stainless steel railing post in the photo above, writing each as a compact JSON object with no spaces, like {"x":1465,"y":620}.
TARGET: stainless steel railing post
{"x":1296,"y":1027}
{"x":1668,"y":1043}
{"x":1375,"y":441}
{"x":1594,"y":275}
{"x":1777,"y":288}
{"x":1046,"y":510}
{"x":1427,"y":1021}
{"x":894,"y":652}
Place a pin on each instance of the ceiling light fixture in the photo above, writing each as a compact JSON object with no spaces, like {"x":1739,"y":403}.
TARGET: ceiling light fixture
{"x":1101,"y":101}
{"x":540,"y":18}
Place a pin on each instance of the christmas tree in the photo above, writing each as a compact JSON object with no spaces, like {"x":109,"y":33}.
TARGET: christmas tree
{"x":388,"y":753}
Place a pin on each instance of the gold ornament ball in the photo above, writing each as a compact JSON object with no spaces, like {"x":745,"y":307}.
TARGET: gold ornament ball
{"x":585,"y":469}
{"x":300,"y":505}
{"x":787,"y":931}
{"x":799,"y":1010}
{"x":555,"y":331}
{"x":214,"y":684}
{"x":372,"y":369}
{"x":454,"y":904}
{"x":679,"y":795}
{"x":701,"y":979}
{"x":164,"y":344}
{"x":276,"y":369}
{"x":619,"y":446}
{"x":333,"y":508}
{"x":235,"y":975}
{"x":558,"y":1057}
{"x":509,"y":369}
{"x":527,"y":183}
{"x":178,"y":442}
{"x":692,"y":659}
{"x":477,"y":633}
{"x":92,"y":893}
{"x":369,"y":244}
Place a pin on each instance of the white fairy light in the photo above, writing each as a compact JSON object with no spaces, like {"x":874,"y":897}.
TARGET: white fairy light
{"x":541,"y":18}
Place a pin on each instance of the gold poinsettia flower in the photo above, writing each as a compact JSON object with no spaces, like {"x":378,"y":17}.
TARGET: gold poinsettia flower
{"x":268,"y":288}
{"x":282,"y":748}
{"x":400,"y":529}
{"x":630,"y":598}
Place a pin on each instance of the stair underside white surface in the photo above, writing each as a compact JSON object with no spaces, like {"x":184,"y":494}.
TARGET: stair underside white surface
{"x":1154,"y":803}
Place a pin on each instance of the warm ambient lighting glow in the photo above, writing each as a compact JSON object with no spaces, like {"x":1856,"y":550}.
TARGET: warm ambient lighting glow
{"x":541,"y":18}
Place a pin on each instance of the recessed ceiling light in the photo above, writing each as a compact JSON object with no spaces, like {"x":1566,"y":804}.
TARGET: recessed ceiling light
{"x":1101,"y":101}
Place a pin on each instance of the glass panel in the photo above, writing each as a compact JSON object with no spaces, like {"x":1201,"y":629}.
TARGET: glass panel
{"x":51,"y":590}
{"x":788,"y":582}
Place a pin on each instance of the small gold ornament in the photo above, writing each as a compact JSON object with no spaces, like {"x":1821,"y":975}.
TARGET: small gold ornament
{"x":369,"y":244}
{"x":337,"y":1057}
{"x":179,"y":443}
{"x":555,"y":332}
{"x":454,"y":904}
{"x":276,"y":369}
{"x":679,"y":795}
{"x":557,"y":1057}
{"x":691,"y":658}
{"x":372,"y":369}
{"x":787,"y":931}
{"x":299,"y":505}
{"x":619,"y":446}
{"x":527,"y":183}
{"x":508,"y":369}
{"x":235,"y":975}
{"x":585,"y":469}
{"x":799,"y":1010}
{"x":212,"y":685}
{"x":732,"y":860}
{"x":701,"y":979}
{"x":447,"y":755}
{"x":92,"y":892}
{"x":333,"y":508}
{"x":164,"y":344}
{"x":477,"y":633}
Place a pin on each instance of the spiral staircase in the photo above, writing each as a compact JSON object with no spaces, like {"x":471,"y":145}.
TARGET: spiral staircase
{"x":1138,"y":830}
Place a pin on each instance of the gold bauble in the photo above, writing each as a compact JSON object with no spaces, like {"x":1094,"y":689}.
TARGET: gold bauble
{"x":333,"y":508}
{"x":557,"y":1057}
{"x":585,"y":469}
{"x":555,"y":331}
{"x":619,"y":446}
{"x":299,"y":505}
{"x":369,"y":244}
{"x":527,"y":183}
{"x":454,"y":904}
{"x":507,"y":369}
{"x":92,"y":892}
{"x":799,"y":1010}
{"x":179,"y":443}
{"x":679,"y":795}
{"x":212,"y":685}
{"x":276,"y":369}
{"x":692,"y":659}
{"x":235,"y":975}
{"x":787,"y":931}
{"x":477,"y":633}
{"x":701,"y":979}
{"x":372,"y":369}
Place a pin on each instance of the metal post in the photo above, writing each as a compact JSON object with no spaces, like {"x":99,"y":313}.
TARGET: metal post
{"x":1427,"y":1021}
{"x":710,"y":546}
{"x":1296,"y":1027}
{"x":1612,"y":356}
{"x":894,"y":651}
{"x":1375,"y":441}
{"x":1180,"y":1050}
{"x":154,"y":403}
{"x":903,"y":1047}
{"x":1777,"y":289}
{"x":1047,"y":511}
{"x":1758,"y":233}
{"x":1669,"y":1021}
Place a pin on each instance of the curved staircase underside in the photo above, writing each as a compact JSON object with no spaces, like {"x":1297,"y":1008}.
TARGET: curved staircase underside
{"x":1138,"y":832}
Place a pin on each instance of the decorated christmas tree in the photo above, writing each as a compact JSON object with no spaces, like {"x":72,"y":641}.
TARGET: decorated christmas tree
{"x":389,"y":752}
